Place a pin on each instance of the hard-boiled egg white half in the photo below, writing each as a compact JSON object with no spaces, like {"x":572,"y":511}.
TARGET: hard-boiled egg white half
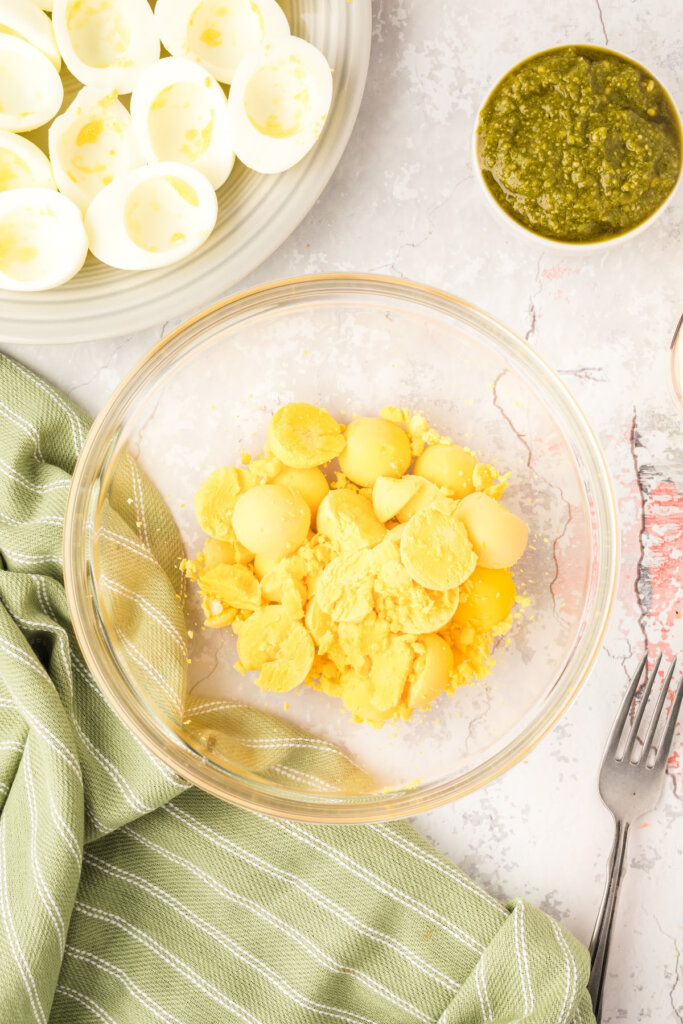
{"x":180,"y":113}
{"x":23,"y":164}
{"x":42,"y":239}
{"x":151,"y":217}
{"x":31,"y":90}
{"x":279,"y":99}
{"x":91,"y":144}
{"x":141,"y":217}
{"x":218,"y":33}
{"x":106,"y":43}
{"x":28,"y":22}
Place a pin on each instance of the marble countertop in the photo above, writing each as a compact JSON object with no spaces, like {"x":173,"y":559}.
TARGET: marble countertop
{"x":403,"y":201}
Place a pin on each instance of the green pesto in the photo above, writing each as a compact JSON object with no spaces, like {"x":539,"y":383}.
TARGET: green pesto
{"x":579,"y":144}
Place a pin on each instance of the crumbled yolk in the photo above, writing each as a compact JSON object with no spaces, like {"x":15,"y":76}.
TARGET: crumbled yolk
{"x":282,"y":649}
{"x":498,"y":536}
{"x":271,"y":520}
{"x":390,"y":495}
{"x":374,"y":447}
{"x":436,"y":550}
{"x":448,"y":466}
{"x":347,"y":518}
{"x":215,"y":500}
{"x":311,"y":484}
{"x":487,"y":598}
{"x":14,"y":172}
{"x":90,"y":132}
{"x":302,"y":436}
{"x":211,"y":36}
{"x":398,"y":592}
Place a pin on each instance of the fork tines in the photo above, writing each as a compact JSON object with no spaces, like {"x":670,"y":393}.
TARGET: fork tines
{"x":662,"y":748}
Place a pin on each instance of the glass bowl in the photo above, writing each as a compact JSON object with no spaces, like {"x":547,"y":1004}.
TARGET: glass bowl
{"x":353,"y":344}
{"x":256,"y":212}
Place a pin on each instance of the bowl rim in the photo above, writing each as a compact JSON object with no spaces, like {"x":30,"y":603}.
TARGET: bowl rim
{"x":521,"y":230}
{"x":182,"y":758}
{"x":675,"y":374}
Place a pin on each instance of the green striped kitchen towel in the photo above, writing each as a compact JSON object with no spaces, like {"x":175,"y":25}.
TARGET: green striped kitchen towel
{"x":127,"y":898}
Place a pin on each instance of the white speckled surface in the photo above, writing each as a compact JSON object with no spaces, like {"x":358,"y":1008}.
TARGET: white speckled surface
{"x":404,"y":202}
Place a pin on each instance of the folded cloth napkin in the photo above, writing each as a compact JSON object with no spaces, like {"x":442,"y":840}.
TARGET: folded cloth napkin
{"x":127,"y":898}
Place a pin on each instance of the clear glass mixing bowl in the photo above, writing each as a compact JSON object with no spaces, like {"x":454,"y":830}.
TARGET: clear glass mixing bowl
{"x":256,"y":212}
{"x":353,"y":344}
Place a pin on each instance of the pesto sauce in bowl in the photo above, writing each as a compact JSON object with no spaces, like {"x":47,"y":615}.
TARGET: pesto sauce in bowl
{"x":579,"y":144}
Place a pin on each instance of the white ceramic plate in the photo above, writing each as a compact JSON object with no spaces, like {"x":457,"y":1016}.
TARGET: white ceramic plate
{"x":256,"y":212}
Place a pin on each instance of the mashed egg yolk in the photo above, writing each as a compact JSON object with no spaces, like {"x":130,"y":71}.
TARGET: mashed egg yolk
{"x":311,"y":484}
{"x":498,"y":536}
{"x":349,"y":521}
{"x":448,"y":466}
{"x":374,"y":447}
{"x":436,"y":550}
{"x":215,"y":500}
{"x":397,"y":593}
{"x":486,"y":599}
{"x":281,"y":649}
{"x":302,"y":436}
{"x":390,"y":495}
{"x":271,"y":520}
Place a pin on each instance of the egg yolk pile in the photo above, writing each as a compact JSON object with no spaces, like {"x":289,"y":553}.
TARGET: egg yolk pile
{"x":378,"y":585}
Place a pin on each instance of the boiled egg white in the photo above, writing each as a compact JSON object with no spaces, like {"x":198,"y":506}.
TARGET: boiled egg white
{"x":28,"y":22}
{"x":106,"y":43}
{"x":151,"y":217}
{"x":23,"y":164}
{"x":180,"y":113}
{"x":31,"y":90}
{"x":218,"y":33}
{"x":42,"y":239}
{"x":90,"y":144}
{"x":278,"y":102}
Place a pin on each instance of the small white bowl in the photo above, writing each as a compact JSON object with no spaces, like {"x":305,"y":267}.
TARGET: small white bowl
{"x":676,"y":365}
{"x":501,"y":214}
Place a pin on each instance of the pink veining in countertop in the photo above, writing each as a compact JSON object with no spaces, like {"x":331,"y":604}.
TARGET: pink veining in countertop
{"x":555,"y":273}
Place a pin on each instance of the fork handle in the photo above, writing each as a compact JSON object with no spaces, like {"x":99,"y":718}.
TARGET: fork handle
{"x":602,"y":933}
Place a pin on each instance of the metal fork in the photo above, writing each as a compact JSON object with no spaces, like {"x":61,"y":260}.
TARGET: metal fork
{"x":630,"y":786}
